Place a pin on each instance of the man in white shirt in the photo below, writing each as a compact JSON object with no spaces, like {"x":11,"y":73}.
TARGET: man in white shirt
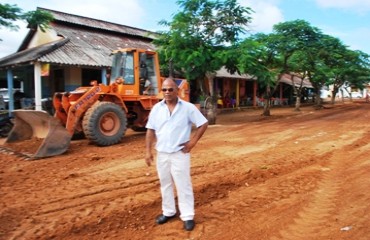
{"x":170,"y":124}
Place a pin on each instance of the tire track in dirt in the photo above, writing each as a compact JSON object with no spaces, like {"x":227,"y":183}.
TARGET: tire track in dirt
{"x":314,"y":216}
{"x":131,"y":190}
{"x":283,"y":191}
{"x":318,"y":213}
{"x":243,"y":191}
{"x":250,"y":201}
{"x":97,"y":195}
{"x":265,"y":167}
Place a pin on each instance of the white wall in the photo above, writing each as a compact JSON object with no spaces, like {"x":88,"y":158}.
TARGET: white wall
{"x":43,"y":37}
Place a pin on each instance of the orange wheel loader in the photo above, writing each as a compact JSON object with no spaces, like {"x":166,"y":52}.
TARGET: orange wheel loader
{"x":101,"y":113}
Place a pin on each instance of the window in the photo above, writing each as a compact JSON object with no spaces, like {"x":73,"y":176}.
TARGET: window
{"x":123,"y":66}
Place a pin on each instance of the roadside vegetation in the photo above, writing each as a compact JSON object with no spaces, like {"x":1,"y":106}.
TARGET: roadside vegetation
{"x":208,"y":34}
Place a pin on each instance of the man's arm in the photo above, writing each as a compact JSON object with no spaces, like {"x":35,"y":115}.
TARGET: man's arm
{"x":196,"y":136}
{"x":149,"y":140}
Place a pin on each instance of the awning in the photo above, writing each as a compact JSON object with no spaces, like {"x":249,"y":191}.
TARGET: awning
{"x":223,"y":73}
{"x":297,"y":81}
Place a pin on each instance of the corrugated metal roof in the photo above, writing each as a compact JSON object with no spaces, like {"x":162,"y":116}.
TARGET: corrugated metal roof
{"x":31,"y":54}
{"x":98,"y":24}
{"x":90,"y":47}
{"x":297,"y":80}
{"x":82,"y":45}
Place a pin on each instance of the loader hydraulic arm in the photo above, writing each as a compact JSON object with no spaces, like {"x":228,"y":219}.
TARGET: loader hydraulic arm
{"x":78,"y":108}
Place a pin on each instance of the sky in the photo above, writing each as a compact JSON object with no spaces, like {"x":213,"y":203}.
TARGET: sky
{"x":348,"y":20}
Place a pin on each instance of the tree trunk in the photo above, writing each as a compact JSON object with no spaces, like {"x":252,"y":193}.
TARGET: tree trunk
{"x":211,"y":103}
{"x":318,"y":102}
{"x":298,"y":102}
{"x":266,"y":107}
{"x":334,"y":92}
{"x":267,"y":100}
{"x":211,"y":77}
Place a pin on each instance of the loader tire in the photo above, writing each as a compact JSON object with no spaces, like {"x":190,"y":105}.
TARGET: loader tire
{"x":104,"y":123}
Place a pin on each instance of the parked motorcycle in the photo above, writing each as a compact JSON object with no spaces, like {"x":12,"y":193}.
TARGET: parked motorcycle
{"x":6,"y":124}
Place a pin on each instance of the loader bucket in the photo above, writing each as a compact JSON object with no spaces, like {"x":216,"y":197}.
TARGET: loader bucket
{"x":36,"y":134}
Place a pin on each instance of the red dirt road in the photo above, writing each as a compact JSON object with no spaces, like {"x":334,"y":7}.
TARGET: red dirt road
{"x":294,"y":175}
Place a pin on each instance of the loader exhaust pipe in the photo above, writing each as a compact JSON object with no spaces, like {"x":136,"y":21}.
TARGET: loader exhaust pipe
{"x":38,"y":132}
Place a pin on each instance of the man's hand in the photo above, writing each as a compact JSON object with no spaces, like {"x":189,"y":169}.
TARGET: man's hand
{"x":193,"y":141}
{"x":149,"y":139}
{"x":187,"y":146}
{"x":149,"y":159}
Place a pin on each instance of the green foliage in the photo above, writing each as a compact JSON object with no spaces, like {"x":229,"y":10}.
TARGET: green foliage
{"x":11,"y":13}
{"x":342,"y":66}
{"x":296,"y":46}
{"x":260,"y":58}
{"x":297,"y":38}
{"x":38,"y":18}
{"x":200,"y":35}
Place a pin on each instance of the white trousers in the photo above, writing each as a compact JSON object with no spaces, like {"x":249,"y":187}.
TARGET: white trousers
{"x":174,"y":171}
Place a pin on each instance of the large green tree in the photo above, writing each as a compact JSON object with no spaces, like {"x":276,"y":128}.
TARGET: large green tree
{"x":297,"y":42}
{"x":199,"y":36}
{"x":309,"y":62}
{"x":258,"y":56}
{"x":286,"y":50}
{"x":322,"y":58}
{"x":296,"y":47}
{"x":334,"y":64}
{"x":11,"y":13}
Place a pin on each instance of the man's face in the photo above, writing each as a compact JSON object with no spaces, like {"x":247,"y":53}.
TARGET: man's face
{"x":169,"y":89}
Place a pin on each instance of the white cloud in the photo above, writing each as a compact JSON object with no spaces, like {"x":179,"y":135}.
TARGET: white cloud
{"x":266,"y":14}
{"x":111,"y":10}
{"x":127,"y":12}
{"x":360,"y":6}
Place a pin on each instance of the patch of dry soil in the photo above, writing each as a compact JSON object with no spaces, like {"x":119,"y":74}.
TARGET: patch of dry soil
{"x":294,"y":175}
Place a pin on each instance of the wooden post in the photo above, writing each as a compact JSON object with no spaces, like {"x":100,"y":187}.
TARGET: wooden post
{"x":255,"y":93}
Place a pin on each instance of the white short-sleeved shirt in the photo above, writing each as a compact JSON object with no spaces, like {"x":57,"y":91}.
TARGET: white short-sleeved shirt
{"x":174,"y":129}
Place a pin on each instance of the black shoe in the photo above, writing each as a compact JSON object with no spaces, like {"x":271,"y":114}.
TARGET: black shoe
{"x":189,"y":225}
{"x":161,"y":219}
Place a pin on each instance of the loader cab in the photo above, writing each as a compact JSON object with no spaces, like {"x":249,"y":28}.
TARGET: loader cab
{"x":135,"y":69}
